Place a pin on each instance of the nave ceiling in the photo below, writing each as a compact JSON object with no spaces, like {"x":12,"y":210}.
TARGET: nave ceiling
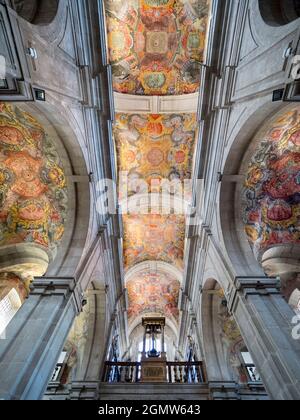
{"x":155,"y":147}
{"x":155,"y":48}
{"x":153,"y":292}
{"x":154,"y":237}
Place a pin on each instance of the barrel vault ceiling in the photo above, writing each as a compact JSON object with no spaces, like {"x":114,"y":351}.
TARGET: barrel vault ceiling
{"x":155,"y":48}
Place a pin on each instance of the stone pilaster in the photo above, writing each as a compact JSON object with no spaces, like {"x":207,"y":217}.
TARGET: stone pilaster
{"x":265,"y":322}
{"x":35,"y":338}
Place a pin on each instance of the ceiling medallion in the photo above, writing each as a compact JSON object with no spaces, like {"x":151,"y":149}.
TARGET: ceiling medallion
{"x":156,"y":42}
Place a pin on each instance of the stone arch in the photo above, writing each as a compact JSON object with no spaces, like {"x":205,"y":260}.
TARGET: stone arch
{"x":85,"y":343}
{"x":152,"y":279}
{"x":34,"y":193}
{"x":62,"y":127}
{"x":137,"y":334}
{"x":100,"y":324}
{"x":269,"y":199}
{"x":233,"y":233}
{"x":39,"y":199}
{"x":36,"y":12}
{"x":222,"y":340}
{"x":279,"y":12}
{"x":271,"y":187}
{"x":169,"y":323}
{"x":88,"y":342}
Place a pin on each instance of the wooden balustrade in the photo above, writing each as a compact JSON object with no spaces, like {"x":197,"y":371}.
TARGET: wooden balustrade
{"x":122,"y":372}
{"x":186,"y":372}
{"x":177,"y":372}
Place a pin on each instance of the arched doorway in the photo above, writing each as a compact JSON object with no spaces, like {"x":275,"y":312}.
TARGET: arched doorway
{"x":227,"y":357}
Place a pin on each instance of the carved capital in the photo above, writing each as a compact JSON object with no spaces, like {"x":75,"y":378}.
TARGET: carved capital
{"x":49,"y":286}
{"x":260,"y":285}
{"x":246,"y":286}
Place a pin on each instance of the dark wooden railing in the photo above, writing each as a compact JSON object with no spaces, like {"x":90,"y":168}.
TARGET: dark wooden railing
{"x":122,"y":372}
{"x":177,"y":372}
{"x":186,"y":372}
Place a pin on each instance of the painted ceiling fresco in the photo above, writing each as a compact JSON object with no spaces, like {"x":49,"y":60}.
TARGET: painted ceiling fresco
{"x":272,"y":189}
{"x":155,"y":146}
{"x":153,"y":293}
{"x":33,"y":193}
{"x":154,"y":237}
{"x":156,"y":46}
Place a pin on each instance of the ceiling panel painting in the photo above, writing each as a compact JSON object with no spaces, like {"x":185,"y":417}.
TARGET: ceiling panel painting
{"x":153,"y":293}
{"x":156,"y":46}
{"x":154,"y":237}
{"x":155,"y":146}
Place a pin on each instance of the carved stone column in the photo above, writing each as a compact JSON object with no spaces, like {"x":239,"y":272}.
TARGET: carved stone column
{"x":265,"y":322}
{"x":35,"y":338}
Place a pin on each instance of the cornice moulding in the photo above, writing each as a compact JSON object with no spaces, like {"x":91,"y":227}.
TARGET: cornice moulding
{"x":178,"y":104}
